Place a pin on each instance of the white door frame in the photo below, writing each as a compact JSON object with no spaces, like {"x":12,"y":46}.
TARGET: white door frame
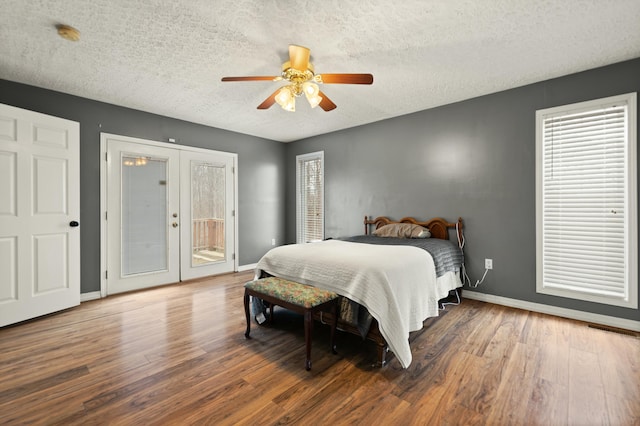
{"x":104,"y":137}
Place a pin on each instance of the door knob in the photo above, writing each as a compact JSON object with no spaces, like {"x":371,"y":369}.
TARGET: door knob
{"x":174,"y":224}
{"x":73,"y":224}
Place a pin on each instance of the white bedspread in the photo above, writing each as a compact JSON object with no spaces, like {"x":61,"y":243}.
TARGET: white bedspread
{"x":397,"y":284}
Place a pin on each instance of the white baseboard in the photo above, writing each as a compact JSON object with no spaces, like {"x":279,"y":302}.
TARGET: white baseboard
{"x":247,"y":267}
{"x":85,"y":297}
{"x":554,"y":310}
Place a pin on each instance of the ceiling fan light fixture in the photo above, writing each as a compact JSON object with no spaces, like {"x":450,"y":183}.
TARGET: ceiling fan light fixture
{"x":311,"y":91}
{"x":290,"y":106}
{"x":314,"y":101}
{"x":286,"y":99}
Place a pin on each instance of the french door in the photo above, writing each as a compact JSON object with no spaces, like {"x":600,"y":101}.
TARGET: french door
{"x":170,"y":213}
{"x":207,"y":211}
{"x":142,"y":216}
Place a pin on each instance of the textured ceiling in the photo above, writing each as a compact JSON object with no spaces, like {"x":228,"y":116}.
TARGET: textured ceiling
{"x":167,"y":57}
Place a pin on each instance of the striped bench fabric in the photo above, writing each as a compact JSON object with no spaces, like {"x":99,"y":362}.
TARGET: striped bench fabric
{"x":301,"y":298}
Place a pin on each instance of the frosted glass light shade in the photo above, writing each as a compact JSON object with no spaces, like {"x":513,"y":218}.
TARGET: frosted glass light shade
{"x":311,"y":91}
{"x":286,"y":100}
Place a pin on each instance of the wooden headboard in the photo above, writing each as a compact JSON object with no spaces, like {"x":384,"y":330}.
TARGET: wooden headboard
{"x":438,"y":227}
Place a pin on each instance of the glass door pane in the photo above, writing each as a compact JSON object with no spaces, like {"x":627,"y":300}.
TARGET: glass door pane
{"x":144,"y":215}
{"x":208,"y":213}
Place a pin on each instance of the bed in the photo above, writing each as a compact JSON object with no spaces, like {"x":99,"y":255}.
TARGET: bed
{"x":390,"y":280}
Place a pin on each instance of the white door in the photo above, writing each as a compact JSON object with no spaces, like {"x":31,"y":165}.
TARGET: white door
{"x":39,"y":214}
{"x":143,"y":223}
{"x":207,"y":211}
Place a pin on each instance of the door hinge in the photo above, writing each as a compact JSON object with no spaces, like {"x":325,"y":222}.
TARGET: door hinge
{"x":106,"y":156}
{"x":106,"y":275}
{"x":105,"y":215}
{"x":233,"y":256}
{"x":233,"y":169}
{"x":233,"y":213}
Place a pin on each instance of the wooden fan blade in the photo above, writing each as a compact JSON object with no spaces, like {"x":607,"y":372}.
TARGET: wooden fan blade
{"x":326,"y":103}
{"x":299,"y":57}
{"x":347,"y":78}
{"x":266,"y":104}
{"x":253,"y":78}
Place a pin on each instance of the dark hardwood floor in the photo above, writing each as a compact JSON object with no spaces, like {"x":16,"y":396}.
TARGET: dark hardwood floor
{"x":177,"y":355}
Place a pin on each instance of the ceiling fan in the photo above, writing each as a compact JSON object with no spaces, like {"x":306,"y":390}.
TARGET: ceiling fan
{"x":299,"y":72}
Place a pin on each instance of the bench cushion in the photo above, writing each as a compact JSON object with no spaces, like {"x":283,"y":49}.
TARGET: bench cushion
{"x":292,"y":292}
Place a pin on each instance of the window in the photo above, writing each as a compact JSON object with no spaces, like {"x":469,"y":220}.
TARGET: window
{"x":310,"y":197}
{"x":586,"y":201}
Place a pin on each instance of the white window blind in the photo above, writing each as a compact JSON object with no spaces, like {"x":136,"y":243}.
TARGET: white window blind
{"x":310,"y":197}
{"x":586,"y":208}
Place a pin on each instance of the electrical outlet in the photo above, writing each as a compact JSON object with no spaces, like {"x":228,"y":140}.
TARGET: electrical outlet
{"x":273,"y":241}
{"x":488,"y":263}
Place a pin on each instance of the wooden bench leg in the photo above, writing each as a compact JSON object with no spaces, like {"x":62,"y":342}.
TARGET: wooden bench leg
{"x":247,"y":312}
{"x":334,"y":325}
{"x":308,"y":332}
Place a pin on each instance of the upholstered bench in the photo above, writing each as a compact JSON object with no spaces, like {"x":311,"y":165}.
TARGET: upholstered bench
{"x":299,"y":298}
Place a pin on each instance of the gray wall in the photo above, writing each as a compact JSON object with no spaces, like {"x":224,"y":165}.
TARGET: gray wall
{"x":261,"y":167}
{"x":474,"y":159}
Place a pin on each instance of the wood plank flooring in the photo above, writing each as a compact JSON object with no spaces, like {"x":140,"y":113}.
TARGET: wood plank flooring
{"x":177,"y":355}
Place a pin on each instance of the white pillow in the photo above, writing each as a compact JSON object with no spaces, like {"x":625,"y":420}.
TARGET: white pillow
{"x":402,"y":230}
